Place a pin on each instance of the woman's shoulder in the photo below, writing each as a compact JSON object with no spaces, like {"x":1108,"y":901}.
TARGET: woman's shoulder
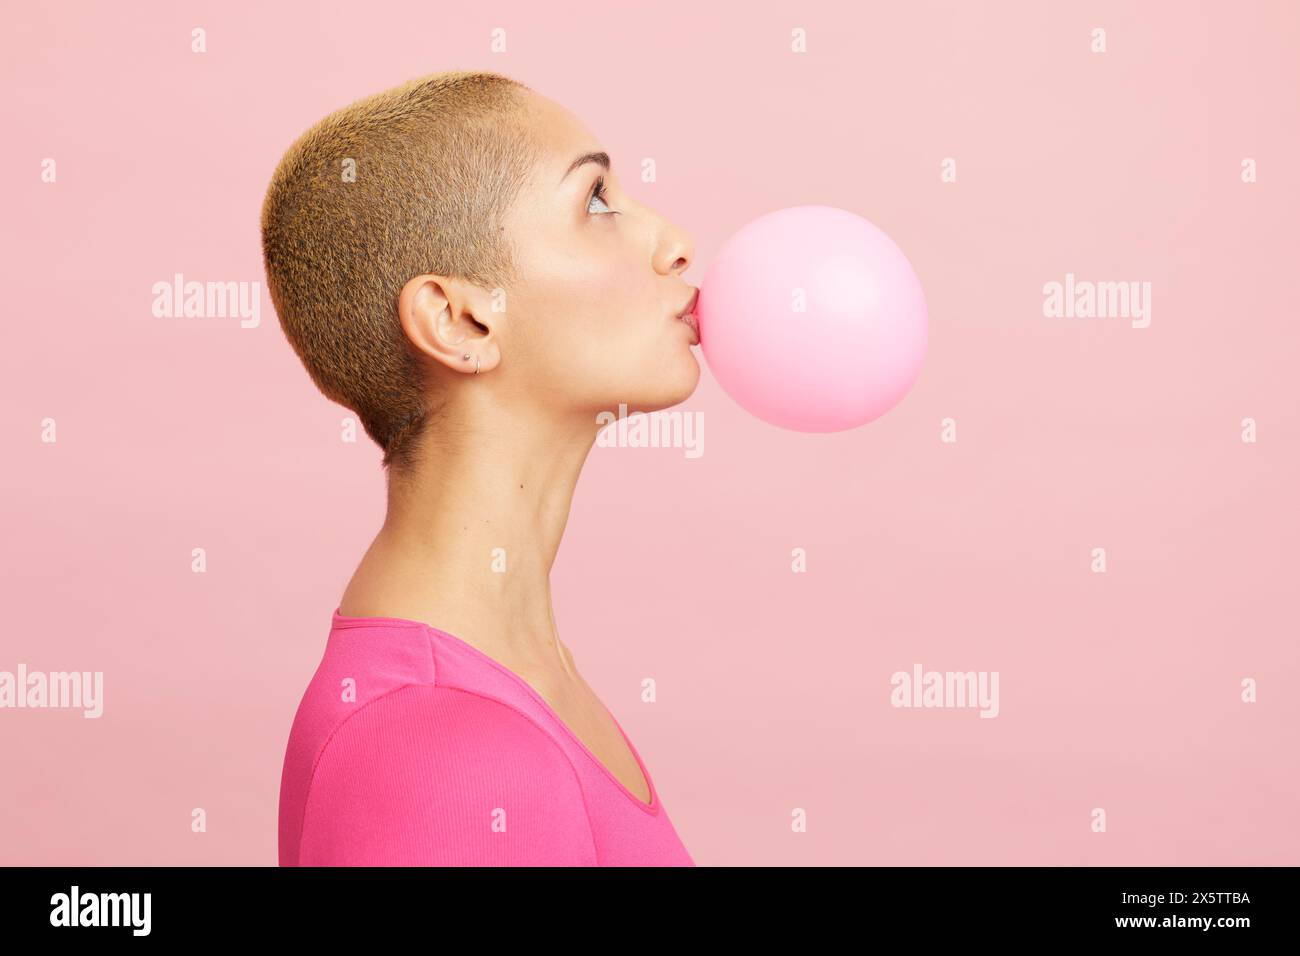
{"x":426,"y":772}
{"x":448,"y":719}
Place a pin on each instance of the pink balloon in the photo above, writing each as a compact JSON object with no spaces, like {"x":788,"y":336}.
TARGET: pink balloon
{"x":812,"y":319}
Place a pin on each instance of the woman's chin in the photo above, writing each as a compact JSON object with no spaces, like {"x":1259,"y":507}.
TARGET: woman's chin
{"x":665,"y":392}
{"x":683,"y":381}
{"x":692,"y":377}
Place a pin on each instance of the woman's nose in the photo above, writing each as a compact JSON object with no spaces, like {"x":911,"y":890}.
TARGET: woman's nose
{"x":676,"y":251}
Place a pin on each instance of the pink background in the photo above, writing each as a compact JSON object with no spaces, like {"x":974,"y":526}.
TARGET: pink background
{"x":1118,"y":690}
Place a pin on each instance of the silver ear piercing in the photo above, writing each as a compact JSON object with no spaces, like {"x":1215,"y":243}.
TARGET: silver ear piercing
{"x":477,"y":364}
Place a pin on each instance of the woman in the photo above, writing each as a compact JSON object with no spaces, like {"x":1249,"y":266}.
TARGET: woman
{"x":455,"y":261}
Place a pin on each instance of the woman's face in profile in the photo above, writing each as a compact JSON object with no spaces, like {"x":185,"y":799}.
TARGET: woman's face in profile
{"x":592,"y":319}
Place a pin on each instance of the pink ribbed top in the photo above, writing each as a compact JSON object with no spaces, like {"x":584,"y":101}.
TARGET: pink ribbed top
{"x":411,"y":747}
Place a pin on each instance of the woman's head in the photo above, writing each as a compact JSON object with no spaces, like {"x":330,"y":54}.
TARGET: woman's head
{"x":447,"y":216}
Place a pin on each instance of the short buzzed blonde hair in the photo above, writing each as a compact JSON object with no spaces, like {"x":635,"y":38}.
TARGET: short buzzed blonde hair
{"x":412,"y":180}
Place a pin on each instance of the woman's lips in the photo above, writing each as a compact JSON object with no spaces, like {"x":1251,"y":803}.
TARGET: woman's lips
{"x":688,"y":316}
{"x":689,"y":319}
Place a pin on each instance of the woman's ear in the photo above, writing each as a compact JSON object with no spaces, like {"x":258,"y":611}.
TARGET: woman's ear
{"x":441,"y":317}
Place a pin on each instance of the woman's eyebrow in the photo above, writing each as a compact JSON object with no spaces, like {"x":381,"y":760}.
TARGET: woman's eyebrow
{"x":601,"y":157}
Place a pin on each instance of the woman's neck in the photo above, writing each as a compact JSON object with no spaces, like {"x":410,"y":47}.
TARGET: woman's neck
{"x":470,"y":536}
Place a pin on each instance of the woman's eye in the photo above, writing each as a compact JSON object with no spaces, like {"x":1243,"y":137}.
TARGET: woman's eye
{"x":598,"y":195}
